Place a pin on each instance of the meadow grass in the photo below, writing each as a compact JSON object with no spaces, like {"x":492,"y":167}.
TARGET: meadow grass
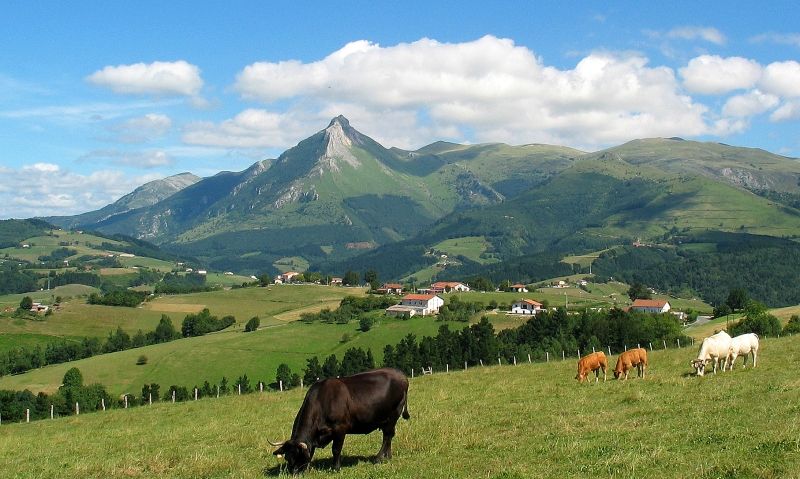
{"x":525,"y":421}
{"x":468,"y":246}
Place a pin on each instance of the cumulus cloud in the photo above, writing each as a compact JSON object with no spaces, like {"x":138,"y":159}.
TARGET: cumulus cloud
{"x":714,"y":75}
{"x":787,"y":111}
{"x":143,"y":128}
{"x":485,"y":90}
{"x":748,"y":104}
{"x":135,"y":159}
{"x":709,"y":34}
{"x":41,"y":190}
{"x":157,"y":78}
{"x":782,"y":78}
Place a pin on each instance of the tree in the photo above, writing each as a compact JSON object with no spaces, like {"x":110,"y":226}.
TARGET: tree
{"x":252,"y":324}
{"x":264,"y":280}
{"x":371,"y":277}
{"x":365,"y":323}
{"x":313,"y":371}
{"x":737,"y":299}
{"x":638,"y":291}
{"x":330,"y":368}
{"x":165,"y":331}
{"x":72,"y":379}
{"x":26,"y":304}
{"x":284,"y":374}
{"x":350,"y":278}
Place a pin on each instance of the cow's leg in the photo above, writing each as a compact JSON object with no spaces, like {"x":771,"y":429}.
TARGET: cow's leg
{"x":755,"y":351}
{"x":386,"y":447}
{"x":732,"y":359}
{"x":605,"y":375}
{"x":338,"y":442}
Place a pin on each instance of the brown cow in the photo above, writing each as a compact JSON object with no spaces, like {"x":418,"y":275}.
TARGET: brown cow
{"x":592,"y":362}
{"x":627,"y":360}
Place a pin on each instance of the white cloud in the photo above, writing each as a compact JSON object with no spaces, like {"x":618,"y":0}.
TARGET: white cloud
{"x":135,"y":159}
{"x":748,"y":104}
{"x":779,"y":38}
{"x":252,"y":128}
{"x":786,"y":112}
{"x":487,"y":89}
{"x":143,"y":128}
{"x":714,"y":75}
{"x":157,"y":78}
{"x":709,"y":34}
{"x":782,"y":78}
{"x":41,"y":190}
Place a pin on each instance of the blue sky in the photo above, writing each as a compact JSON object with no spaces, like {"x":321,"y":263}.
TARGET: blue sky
{"x":97,"y":98}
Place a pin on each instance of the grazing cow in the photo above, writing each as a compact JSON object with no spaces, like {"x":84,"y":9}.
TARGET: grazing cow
{"x":592,"y":362}
{"x":357,"y":404}
{"x":714,"y":348}
{"x":743,"y":345}
{"x":630,"y":358}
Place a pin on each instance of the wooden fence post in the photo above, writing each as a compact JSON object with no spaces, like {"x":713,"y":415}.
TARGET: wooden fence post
{"x":579,"y":353}
{"x":651,"y":346}
{"x":481,"y":361}
{"x":103,"y":403}
{"x":195,"y":394}
{"x":609,"y":350}
{"x":240,"y":387}
{"x":150,"y":399}
{"x":27,"y":415}
{"x":515,"y":360}
{"x":593,"y":351}
{"x":546,"y":355}
{"x":77,"y":409}
{"x":447,"y":368}
{"x":217,"y":390}
{"x":125,"y":399}
{"x":173,"y":395}
{"x":563,"y":356}
{"x":529,"y":359}
{"x":51,"y":411}
{"x":301,"y":383}
{"x":626,"y":347}
{"x":280,"y":385}
{"x":679,"y":342}
{"x":665,"y":343}
{"x":465,"y":365}
{"x":498,"y":361}
{"x":412,"y":372}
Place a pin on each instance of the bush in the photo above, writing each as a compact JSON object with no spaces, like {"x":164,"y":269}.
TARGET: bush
{"x":365,"y":323}
{"x":252,"y":325}
{"x":793,"y":326}
{"x":142,"y":360}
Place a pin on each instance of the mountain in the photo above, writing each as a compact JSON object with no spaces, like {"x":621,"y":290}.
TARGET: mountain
{"x":145,"y":195}
{"x":339,"y":200}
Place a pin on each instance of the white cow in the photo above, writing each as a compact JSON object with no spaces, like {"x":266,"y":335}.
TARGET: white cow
{"x":714,"y":348}
{"x":743,"y":345}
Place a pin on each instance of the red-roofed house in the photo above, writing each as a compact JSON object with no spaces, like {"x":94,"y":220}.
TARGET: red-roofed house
{"x":651,"y":305}
{"x":413,"y":304}
{"x":519,"y":288}
{"x":526,"y":306}
{"x":447,"y":286}
{"x":286,"y":277}
{"x":390,"y":288}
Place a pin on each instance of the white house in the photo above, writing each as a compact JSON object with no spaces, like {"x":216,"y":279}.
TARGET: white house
{"x":651,"y":306}
{"x":413,"y":304}
{"x":526,"y":306}
{"x":448,"y":286}
{"x":202,"y":271}
{"x":519,"y":288}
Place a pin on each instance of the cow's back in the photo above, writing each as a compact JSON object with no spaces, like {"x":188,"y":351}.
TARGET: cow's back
{"x":372,"y":398}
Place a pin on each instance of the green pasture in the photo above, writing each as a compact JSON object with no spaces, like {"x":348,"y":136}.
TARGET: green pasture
{"x":469,"y":246}
{"x":45,"y":245}
{"x":146,"y":262}
{"x":294,"y":263}
{"x":500,"y":422}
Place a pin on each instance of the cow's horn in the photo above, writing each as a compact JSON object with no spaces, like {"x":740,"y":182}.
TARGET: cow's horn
{"x":276,"y":444}
{"x":304,"y":446}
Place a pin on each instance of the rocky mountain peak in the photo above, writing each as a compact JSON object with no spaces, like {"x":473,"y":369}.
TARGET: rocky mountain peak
{"x":340,"y":138}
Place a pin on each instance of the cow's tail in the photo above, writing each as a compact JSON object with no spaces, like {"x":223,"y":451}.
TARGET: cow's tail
{"x":405,"y":413}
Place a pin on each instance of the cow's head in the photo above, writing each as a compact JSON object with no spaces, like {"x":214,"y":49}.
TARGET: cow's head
{"x":580,"y":376}
{"x":297,"y":454}
{"x":617,"y":374}
{"x":699,"y":366}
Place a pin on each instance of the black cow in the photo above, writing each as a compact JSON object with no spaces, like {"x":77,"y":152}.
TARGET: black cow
{"x":357,"y":404}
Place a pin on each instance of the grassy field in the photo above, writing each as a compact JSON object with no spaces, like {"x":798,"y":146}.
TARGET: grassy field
{"x":469,"y":246}
{"x":45,"y":245}
{"x":528,"y":421}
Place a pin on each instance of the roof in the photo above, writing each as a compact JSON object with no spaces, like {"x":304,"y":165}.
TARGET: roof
{"x":648,"y":303}
{"x":444,"y":284}
{"x":530,"y":301}
{"x":518,"y":285}
{"x":393,"y":285}
{"x":419,"y":297}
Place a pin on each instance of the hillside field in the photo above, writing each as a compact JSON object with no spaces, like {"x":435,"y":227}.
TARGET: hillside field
{"x":509,"y":422}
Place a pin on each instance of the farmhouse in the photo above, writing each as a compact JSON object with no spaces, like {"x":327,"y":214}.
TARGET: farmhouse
{"x":519,"y":288}
{"x":448,"y":286}
{"x":390,"y":288}
{"x":651,"y":306}
{"x":286,"y":277}
{"x":526,"y":306}
{"x":336,"y":281}
{"x":39,"y":308}
{"x":413,"y":304}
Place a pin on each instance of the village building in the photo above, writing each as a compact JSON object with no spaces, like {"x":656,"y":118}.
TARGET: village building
{"x":519,"y":288}
{"x":286,"y":277}
{"x":526,"y":306}
{"x":336,"y":281}
{"x":651,"y":306}
{"x":39,"y":308}
{"x":447,"y":287}
{"x":390,"y":288}
{"x":416,"y":304}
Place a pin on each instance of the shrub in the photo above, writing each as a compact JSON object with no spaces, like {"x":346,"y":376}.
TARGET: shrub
{"x":252,"y":324}
{"x":142,"y":360}
{"x":365,"y":323}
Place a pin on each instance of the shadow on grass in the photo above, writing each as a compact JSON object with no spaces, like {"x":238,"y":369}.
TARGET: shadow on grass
{"x":322,"y":464}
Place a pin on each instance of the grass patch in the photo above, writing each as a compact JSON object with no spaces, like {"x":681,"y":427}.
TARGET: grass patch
{"x":540,"y":424}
